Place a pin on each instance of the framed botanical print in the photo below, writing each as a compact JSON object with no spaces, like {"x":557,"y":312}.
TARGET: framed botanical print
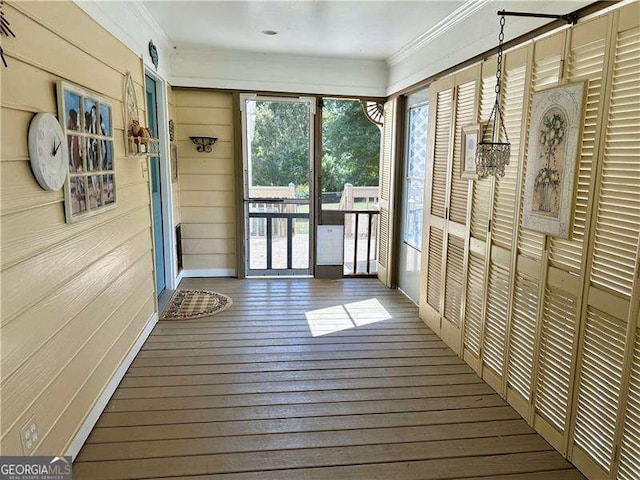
{"x":471,"y":136}
{"x":87,"y":121}
{"x":554,"y":135}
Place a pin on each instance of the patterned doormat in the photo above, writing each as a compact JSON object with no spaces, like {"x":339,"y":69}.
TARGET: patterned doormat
{"x":189,"y":304}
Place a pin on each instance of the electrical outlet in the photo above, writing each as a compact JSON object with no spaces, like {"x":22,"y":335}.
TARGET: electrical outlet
{"x":29,"y":436}
{"x":145,"y":169}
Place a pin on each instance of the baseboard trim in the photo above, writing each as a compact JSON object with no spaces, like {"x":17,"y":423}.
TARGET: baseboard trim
{"x":89,"y":422}
{"x":208,"y":272}
{"x":179,"y":278}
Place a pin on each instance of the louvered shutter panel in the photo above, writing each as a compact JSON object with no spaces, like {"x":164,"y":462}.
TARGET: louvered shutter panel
{"x":618,"y":209}
{"x":495,"y":321}
{"x":522,"y":336}
{"x":524,"y":314}
{"x":504,"y":206}
{"x":599,"y":385}
{"x":384,"y":237}
{"x":453,"y":282}
{"x":487,"y":97}
{"x":480,"y":208}
{"x":434,"y":267}
{"x":479,"y":226}
{"x":475,"y":300}
{"x":612,"y":275}
{"x":546,"y":73}
{"x":386,"y":180}
{"x":586,"y":61}
{"x":505,"y":190}
{"x":475,"y":288}
{"x":629,"y":462}
{"x":441,"y":152}
{"x":465,"y":115}
{"x":554,"y":364}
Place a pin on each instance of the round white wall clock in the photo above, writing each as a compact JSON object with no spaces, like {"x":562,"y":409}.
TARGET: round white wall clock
{"x":48,"y":151}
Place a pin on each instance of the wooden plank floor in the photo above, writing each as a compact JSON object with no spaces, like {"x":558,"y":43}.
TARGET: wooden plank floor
{"x":252,"y":394}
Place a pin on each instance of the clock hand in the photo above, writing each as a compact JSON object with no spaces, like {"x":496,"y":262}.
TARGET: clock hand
{"x":55,"y":151}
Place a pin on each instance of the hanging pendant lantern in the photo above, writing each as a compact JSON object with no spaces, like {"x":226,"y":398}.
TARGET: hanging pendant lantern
{"x":493,"y":156}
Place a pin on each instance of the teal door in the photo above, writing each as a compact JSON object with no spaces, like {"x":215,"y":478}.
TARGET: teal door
{"x":156,"y":188}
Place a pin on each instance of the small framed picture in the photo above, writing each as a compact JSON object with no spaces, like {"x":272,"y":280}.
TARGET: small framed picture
{"x":174,"y":163}
{"x":471,"y":135}
{"x":87,"y":120}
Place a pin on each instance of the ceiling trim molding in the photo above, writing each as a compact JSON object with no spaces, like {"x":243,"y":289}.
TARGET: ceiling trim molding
{"x":103,"y":16}
{"x":151,"y":22}
{"x":468,"y":8}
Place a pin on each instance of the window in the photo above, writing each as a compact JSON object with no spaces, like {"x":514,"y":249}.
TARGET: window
{"x":416,"y":159}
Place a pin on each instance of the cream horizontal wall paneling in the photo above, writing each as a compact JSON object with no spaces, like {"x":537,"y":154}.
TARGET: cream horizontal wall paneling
{"x":190,"y":164}
{"x":105,"y":366}
{"x":30,"y":233}
{"x":42,"y":47}
{"x":65,"y":303}
{"x":204,"y":198}
{"x":60,"y":281}
{"x":79,"y":358}
{"x":207,"y":230}
{"x":215,"y":261}
{"x":28,"y":88}
{"x":212,"y":183}
{"x":87,"y":36}
{"x":207,"y":180}
{"x":45,"y":273}
{"x":208,"y":214}
{"x":200,"y":98}
{"x":199,"y":246}
{"x":203,"y":115}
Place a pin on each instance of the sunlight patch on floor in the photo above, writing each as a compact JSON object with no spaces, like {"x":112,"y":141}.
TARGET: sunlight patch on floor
{"x":343,"y":317}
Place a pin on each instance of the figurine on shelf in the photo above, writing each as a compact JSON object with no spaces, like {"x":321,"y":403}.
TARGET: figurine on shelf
{"x":141,"y":138}
{"x":135,"y":133}
{"x":145,"y":136}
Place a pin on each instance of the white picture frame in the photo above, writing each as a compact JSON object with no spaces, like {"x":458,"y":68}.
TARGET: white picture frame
{"x":87,"y":121}
{"x":471,"y":136}
{"x":552,"y":155}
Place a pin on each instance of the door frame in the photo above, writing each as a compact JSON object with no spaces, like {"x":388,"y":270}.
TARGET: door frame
{"x":311,"y":101}
{"x":166,"y":191}
{"x":414,"y":100}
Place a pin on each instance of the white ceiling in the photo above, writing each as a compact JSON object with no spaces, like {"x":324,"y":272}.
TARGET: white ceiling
{"x":347,"y":29}
{"x":374,"y":30}
{"x":373,"y":48}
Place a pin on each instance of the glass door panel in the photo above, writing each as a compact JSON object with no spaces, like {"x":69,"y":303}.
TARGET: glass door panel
{"x":278,"y":152}
{"x":413,"y":189}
